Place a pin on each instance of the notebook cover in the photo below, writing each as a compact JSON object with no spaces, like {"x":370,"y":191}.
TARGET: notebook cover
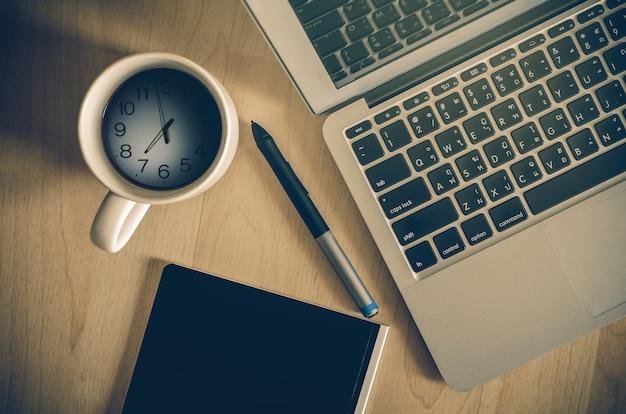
{"x":213,"y":345}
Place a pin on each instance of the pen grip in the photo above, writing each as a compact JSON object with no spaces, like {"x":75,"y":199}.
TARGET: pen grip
{"x":294,"y":188}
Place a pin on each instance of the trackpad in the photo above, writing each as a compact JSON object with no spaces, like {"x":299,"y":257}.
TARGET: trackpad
{"x":590,"y":242}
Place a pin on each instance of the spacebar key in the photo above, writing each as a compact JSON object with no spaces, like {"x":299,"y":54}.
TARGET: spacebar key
{"x":577,"y":180}
{"x":425,"y":221}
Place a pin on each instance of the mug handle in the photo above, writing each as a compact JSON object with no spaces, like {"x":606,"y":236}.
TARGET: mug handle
{"x":116,"y":221}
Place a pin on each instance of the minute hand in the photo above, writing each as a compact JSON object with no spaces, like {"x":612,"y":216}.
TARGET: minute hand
{"x":160,"y":105}
{"x":158,"y":136}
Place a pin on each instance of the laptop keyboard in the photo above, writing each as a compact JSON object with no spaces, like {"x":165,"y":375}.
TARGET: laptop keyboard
{"x":469,"y":161}
{"x":353,"y":37}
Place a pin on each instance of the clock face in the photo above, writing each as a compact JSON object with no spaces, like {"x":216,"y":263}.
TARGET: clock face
{"x":161,"y":129}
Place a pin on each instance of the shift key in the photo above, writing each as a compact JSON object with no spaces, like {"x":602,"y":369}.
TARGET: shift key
{"x":425,"y":221}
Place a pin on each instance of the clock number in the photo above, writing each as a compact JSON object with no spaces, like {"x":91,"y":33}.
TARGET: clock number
{"x":163,"y":171}
{"x":145,"y":161}
{"x":120,"y":129}
{"x":185,"y":166}
{"x":142,"y":93}
{"x":125,"y":153}
{"x":200,"y":149}
{"x":165,"y":88}
{"x":127,"y":108}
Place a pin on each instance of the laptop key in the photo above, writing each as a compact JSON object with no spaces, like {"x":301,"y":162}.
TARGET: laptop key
{"x":390,"y":50}
{"x":384,"y":16}
{"x":561,"y":28}
{"x":388,"y":172}
{"x":329,"y":43}
{"x":405,"y":198}
{"x":332,"y":64}
{"x":582,"y":144}
{"x":447,"y":21}
{"x":526,"y":138}
{"x":410,"y":6}
{"x":421,"y":256}
{"x":368,"y":149}
{"x":443,"y":179}
{"x":535,"y":66}
{"x":508,"y":214}
{"x":435,"y":12}
{"x":395,"y":135}
{"x":507,"y":80}
{"x":577,"y":180}
{"x":477,"y":229}
{"x":423,"y":156}
{"x":356,"y":9}
{"x":498,"y":185}
{"x":563,"y":52}
{"x":591,"y":72}
{"x":476,"y":7}
{"x":449,"y":243}
{"x":418,"y":36}
{"x":316,"y":8}
{"x":359,"y":29}
{"x":479,"y":94}
{"x":610,"y":130}
{"x":591,"y":38}
{"x":461,"y":4}
{"x":615,"y":58}
{"x":425,"y":221}
{"x":616,"y":23}
{"x":554,"y":158}
{"x":362,"y":64}
{"x":611,"y":96}
{"x":380,"y":40}
{"x":407,"y":27}
{"x":534,"y":100}
{"x":451,"y":108}
{"x":471,"y":165}
{"x":507,"y":114}
{"x":563,"y":86}
{"x":450,"y":141}
{"x":499,"y":151}
{"x":323,"y":25}
{"x":423,"y":121}
{"x":526,"y":172}
{"x":583,"y":110}
{"x":470,"y":199}
{"x":354,"y":53}
{"x":478,"y":128}
{"x":380,"y":3}
{"x":555,"y":124}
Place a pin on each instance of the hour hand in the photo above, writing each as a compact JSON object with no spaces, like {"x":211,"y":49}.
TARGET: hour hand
{"x":162,"y":132}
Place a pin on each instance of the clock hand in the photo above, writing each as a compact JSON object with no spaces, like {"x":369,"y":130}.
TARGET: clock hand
{"x":160,"y":105}
{"x":162,"y":132}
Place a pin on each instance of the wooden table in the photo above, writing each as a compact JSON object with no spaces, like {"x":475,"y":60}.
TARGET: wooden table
{"x":72,"y":316}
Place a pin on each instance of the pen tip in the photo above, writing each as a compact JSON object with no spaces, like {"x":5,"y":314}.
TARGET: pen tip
{"x":257,"y":131}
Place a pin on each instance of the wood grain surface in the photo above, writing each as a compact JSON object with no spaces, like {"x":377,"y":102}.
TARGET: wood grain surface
{"x":72,"y":316}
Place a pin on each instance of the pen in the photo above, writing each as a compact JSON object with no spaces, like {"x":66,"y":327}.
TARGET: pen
{"x":299,"y":196}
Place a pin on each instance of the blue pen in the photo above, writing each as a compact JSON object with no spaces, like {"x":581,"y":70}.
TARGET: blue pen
{"x":299,"y":196}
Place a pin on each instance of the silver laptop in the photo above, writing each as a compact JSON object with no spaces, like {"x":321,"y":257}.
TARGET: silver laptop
{"x":484,"y":143}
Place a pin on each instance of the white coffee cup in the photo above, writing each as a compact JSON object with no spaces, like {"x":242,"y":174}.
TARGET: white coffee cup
{"x":123,"y":117}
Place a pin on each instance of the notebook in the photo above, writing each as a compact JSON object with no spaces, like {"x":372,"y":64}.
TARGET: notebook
{"x":488,"y":161}
{"x":214,"y":345}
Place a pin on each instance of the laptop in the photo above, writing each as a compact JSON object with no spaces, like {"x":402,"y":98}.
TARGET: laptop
{"x":484,"y":143}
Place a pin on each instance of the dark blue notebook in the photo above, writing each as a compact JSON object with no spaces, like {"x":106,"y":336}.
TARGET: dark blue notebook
{"x":216,"y":346}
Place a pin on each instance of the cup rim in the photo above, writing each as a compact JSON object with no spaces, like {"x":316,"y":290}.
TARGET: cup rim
{"x":90,"y":127}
